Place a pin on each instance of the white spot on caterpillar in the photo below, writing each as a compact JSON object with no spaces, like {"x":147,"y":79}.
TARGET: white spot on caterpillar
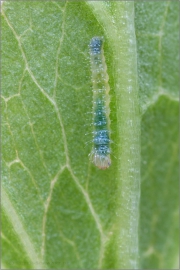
{"x":100,"y":154}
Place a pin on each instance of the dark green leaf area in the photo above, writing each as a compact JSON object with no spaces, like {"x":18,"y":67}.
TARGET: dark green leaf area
{"x":157,"y":48}
{"x":159,"y":191}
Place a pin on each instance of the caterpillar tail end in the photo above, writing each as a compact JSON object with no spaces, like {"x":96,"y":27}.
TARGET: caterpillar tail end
{"x":101,"y":161}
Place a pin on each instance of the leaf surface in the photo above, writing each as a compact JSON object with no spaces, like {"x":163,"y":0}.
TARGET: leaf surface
{"x":58,"y":210}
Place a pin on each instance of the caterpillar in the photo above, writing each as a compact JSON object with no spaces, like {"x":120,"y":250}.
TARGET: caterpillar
{"x":100,"y":154}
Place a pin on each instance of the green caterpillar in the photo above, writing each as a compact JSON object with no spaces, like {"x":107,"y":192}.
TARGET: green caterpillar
{"x":100,"y":154}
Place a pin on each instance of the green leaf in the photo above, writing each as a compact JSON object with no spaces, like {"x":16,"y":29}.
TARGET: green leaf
{"x":58,"y":210}
{"x":158,"y":65}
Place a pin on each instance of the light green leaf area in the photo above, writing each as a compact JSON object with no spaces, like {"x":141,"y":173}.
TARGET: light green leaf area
{"x":58,"y":210}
